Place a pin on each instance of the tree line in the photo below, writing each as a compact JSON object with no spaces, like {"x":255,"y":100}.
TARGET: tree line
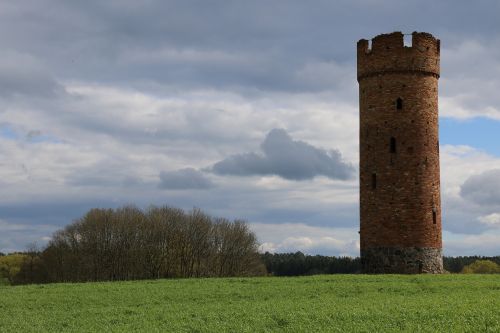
{"x":298,"y":263}
{"x":129,"y":243}
{"x":458,"y":264}
{"x":291,"y":264}
{"x":164,"y":242}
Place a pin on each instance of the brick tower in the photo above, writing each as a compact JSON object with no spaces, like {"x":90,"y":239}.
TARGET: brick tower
{"x":399,"y":154}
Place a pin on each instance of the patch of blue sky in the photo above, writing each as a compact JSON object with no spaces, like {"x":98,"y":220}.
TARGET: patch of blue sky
{"x":7,"y":132}
{"x":480,"y":133}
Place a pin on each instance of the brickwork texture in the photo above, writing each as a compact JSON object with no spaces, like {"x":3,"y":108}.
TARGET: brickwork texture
{"x":400,"y":206}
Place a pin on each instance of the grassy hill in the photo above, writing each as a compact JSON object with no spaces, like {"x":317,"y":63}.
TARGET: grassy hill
{"x":301,"y":304}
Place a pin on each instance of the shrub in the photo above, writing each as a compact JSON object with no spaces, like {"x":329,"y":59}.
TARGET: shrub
{"x":482,"y":267}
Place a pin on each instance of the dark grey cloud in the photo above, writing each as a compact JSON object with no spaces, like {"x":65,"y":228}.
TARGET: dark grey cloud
{"x":339,"y":215}
{"x":483,"y":189}
{"x":287,"y":158}
{"x":46,"y":211}
{"x":35,"y":220}
{"x":184,"y":179}
{"x":23,"y":75}
{"x":105,"y":179}
{"x":460,"y":216}
{"x":256,"y":44}
{"x":16,"y":235}
{"x":249,"y":47}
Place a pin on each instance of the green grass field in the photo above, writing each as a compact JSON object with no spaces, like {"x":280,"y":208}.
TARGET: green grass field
{"x":342,"y":303}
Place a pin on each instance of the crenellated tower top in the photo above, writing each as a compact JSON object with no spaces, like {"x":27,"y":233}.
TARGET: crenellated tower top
{"x":388,"y":54}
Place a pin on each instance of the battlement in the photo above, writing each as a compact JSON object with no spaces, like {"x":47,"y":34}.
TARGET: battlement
{"x":387,"y":53}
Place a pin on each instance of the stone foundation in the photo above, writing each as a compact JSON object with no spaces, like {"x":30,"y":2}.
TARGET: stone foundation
{"x":402,"y":260}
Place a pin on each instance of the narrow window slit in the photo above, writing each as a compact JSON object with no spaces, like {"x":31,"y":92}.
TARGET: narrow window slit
{"x":374,"y":181}
{"x":399,"y":104}
{"x":393,"y":145}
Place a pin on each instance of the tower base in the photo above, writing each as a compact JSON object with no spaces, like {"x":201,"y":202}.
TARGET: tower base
{"x":401,"y":260}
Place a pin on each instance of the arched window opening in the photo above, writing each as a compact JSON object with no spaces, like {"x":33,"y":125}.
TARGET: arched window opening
{"x":399,"y":104}
{"x":374,"y":181}
{"x":393,"y":145}
{"x":434,"y":216}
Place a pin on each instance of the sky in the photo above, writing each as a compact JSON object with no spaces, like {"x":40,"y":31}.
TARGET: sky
{"x":245,"y":109}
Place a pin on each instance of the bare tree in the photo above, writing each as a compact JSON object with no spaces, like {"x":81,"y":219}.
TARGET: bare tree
{"x":159,"y":242}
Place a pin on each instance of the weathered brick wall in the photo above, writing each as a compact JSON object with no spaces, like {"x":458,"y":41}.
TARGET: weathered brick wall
{"x":404,"y":208}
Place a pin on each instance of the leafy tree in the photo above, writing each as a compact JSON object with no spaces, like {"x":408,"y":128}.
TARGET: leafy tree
{"x":10,"y":266}
{"x":482,"y":267}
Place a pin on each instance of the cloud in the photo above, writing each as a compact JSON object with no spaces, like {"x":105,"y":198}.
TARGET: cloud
{"x":491,"y":220}
{"x":483,"y":189}
{"x":282,"y":156}
{"x":485,"y":244}
{"x":308,"y":239}
{"x":23,"y":75}
{"x":17,"y":235}
{"x":184,"y":179}
{"x":468,"y":86}
{"x":460,"y":212}
{"x":314,"y":245}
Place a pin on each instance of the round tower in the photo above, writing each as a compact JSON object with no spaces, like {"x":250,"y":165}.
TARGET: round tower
{"x":399,"y":154}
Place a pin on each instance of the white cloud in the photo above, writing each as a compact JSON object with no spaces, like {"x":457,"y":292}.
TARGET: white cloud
{"x":108,"y":135}
{"x":458,"y":164}
{"x":491,"y":220}
{"x":291,"y":237}
{"x":455,"y":107}
{"x":486,"y":244}
{"x":469,"y":87}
